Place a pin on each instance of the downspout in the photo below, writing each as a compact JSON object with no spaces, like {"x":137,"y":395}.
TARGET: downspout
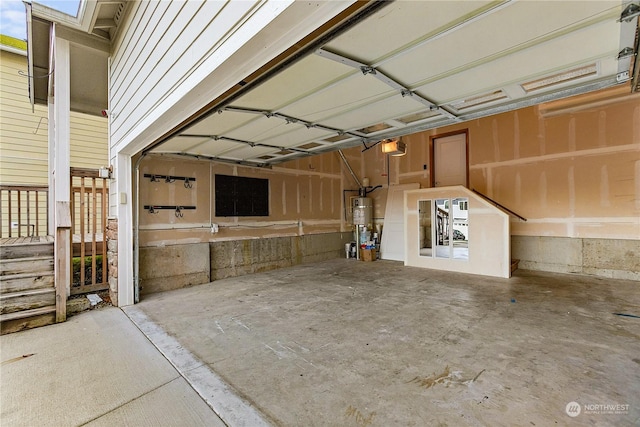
{"x":136,"y":234}
{"x":32,"y":90}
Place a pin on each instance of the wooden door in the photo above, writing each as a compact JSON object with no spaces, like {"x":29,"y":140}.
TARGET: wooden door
{"x":450,"y":164}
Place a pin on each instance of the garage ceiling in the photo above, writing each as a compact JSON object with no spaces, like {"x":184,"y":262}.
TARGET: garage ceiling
{"x":416,"y":65}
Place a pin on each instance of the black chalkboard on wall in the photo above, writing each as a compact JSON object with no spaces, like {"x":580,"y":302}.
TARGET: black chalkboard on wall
{"x":241,"y":196}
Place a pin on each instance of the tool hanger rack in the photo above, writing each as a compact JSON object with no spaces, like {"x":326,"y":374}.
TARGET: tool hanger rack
{"x":154,"y":209}
{"x":170,"y":179}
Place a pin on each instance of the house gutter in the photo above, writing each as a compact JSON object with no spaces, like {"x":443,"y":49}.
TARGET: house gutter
{"x":12,"y":49}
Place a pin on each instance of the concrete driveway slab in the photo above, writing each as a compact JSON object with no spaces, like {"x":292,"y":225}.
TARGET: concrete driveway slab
{"x":96,"y":364}
{"x":174,"y":404}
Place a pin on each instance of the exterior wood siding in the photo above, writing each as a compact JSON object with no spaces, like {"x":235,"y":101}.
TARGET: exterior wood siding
{"x":24,"y":150}
{"x":166,"y":43}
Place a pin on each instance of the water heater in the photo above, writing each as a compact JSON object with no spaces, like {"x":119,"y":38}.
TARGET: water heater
{"x":362,"y":211}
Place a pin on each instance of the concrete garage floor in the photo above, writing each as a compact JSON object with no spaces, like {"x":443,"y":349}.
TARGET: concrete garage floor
{"x":349,"y":343}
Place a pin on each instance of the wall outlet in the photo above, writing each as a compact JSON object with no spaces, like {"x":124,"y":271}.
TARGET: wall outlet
{"x":214,"y":228}
{"x":14,"y":225}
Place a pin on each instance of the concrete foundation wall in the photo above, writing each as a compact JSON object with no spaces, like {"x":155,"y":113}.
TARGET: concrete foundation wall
{"x":320,"y":247}
{"x":238,"y":257}
{"x":164,"y":268}
{"x":617,"y":259}
{"x":172,"y":267}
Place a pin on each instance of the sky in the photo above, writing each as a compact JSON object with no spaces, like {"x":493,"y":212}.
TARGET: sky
{"x":13,"y":21}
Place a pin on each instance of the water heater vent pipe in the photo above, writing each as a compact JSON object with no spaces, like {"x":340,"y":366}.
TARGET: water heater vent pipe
{"x":346,"y":163}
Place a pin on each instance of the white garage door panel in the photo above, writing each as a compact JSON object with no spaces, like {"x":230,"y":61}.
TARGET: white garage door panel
{"x":215,"y":148}
{"x":375,"y":112}
{"x":425,"y":15}
{"x":424,"y":57}
{"x":231,"y":121}
{"x":180,"y":143}
{"x":297,"y":136}
{"x":287,"y":85}
{"x":356,"y":90}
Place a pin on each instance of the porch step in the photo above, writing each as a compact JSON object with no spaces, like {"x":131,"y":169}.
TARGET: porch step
{"x":26,"y":282}
{"x":12,"y":302}
{"x":26,"y":265}
{"x":26,"y":250}
{"x":27,"y":319}
{"x":27,"y":289}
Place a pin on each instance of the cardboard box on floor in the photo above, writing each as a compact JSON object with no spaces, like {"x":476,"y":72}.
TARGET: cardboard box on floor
{"x":368,"y":254}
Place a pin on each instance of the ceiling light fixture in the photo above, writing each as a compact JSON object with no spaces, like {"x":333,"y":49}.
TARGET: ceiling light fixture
{"x":394,"y":147}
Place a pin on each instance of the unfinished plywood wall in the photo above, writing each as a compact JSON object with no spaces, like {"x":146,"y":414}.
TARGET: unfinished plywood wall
{"x":571,"y":167}
{"x":305,"y":197}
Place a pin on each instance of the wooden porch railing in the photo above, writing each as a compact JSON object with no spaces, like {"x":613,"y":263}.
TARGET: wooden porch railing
{"x":89,"y":203}
{"x":24,"y":210}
